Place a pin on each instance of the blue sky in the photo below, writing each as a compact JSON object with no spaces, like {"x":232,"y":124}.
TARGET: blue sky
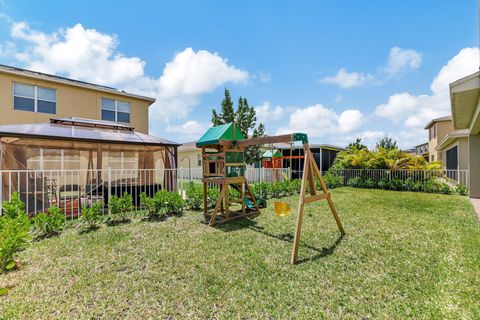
{"x":335,"y":69}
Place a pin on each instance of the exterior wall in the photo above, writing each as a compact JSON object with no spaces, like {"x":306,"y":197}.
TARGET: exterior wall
{"x":474,"y":168}
{"x":72,"y":101}
{"x":442,"y":128}
{"x":462,"y":144}
{"x":193,"y":155}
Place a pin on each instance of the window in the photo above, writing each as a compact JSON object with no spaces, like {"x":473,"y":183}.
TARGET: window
{"x":199,"y":160}
{"x":432,"y":158}
{"x":434,"y":131}
{"x":123,"y":160}
{"x":53,"y":159}
{"x":114,"y":110}
{"x":33,"y":98}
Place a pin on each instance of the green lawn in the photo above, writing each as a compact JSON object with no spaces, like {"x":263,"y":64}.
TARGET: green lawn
{"x":405,"y":255}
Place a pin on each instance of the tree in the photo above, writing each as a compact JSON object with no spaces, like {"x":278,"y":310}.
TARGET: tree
{"x":244,"y":118}
{"x":387,"y":143}
{"x":227,"y":113}
{"x":357,"y":144}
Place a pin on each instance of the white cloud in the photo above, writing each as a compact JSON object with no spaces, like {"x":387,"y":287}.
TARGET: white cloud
{"x":398,"y":104}
{"x":416,"y":110}
{"x":89,"y":55}
{"x":266,"y":113}
{"x":320,"y":122}
{"x":264,"y":76}
{"x":346,"y":79}
{"x":190,"y":130}
{"x":80,"y":53}
{"x":350,"y":120}
{"x":400,"y":60}
{"x":192,"y":73}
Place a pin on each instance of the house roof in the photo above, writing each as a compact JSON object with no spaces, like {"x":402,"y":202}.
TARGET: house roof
{"x":64,"y":131}
{"x":188,"y":146}
{"x":421,"y":144}
{"x":451,"y":138}
{"x":446,"y":118}
{"x":312,"y":146}
{"x":223,"y":132}
{"x":464,"y":95}
{"x":272,"y":154}
{"x":68,"y":81}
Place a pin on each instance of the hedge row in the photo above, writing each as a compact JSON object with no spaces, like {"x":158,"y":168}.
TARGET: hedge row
{"x":16,"y":229}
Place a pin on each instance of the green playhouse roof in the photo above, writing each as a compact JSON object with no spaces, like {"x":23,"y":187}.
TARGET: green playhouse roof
{"x":217,"y":133}
{"x":272,"y":154}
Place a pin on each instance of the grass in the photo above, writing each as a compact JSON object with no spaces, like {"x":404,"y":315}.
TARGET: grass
{"x":405,"y":255}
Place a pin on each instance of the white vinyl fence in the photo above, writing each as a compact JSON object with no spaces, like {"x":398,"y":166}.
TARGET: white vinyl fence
{"x":70,"y":190}
{"x":451,"y":177}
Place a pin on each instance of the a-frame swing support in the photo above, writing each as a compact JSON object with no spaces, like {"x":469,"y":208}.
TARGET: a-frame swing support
{"x":310,"y":172}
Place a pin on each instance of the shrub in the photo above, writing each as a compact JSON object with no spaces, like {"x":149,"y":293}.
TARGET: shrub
{"x":119,"y":208}
{"x":260,"y":190}
{"x":14,"y":207}
{"x":194,"y":195}
{"x":296,"y":185}
{"x":154,"y":210}
{"x":355,"y":182}
{"x":369,"y":183}
{"x":212,"y":196}
{"x":332,"y":181}
{"x":445,"y":188}
{"x":461,"y":190}
{"x":91,"y":217}
{"x":175,"y":203}
{"x":14,"y":231}
{"x":169,"y":202}
{"x":430,"y":186}
{"x":396,"y":184}
{"x":48,"y":224}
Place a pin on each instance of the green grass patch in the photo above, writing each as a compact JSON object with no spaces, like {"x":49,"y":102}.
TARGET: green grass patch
{"x":404,"y":255}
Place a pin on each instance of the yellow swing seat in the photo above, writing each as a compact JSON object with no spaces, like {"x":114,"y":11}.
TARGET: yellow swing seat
{"x":282,"y":209}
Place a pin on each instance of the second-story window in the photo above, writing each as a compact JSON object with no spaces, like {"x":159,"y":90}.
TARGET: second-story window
{"x":34,"y":98}
{"x":115,"y":110}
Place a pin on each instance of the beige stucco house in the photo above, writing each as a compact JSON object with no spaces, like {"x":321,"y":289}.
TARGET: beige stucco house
{"x":32,"y":97}
{"x":74,"y":136}
{"x":465,"y":104}
{"x":437,"y":130}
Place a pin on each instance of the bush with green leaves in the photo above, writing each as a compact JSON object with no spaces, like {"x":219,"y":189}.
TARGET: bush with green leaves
{"x":48,"y":224}
{"x":260,"y":190}
{"x":194,"y":194}
{"x":92,"y":216}
{"x":120,"y":208}
{"x":445,"y":188}
{"x":14,"y":231}
{"x":154,"y":209}
{"x":212,"y":196}
{"x":331,"y":180}
{"x":461,"y":190}
{"x":172,"y":202}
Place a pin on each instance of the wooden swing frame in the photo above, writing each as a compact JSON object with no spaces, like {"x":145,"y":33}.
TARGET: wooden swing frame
{"x":310,"y":173}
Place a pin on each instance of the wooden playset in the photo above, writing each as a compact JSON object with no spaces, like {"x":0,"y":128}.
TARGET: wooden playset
{"x":224,"y":166}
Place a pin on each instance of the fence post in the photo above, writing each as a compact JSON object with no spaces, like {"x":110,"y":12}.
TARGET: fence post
{"x":109,"y":185}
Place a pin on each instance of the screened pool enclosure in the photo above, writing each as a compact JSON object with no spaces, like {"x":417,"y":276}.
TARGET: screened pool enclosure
{"x":72,"y":162}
